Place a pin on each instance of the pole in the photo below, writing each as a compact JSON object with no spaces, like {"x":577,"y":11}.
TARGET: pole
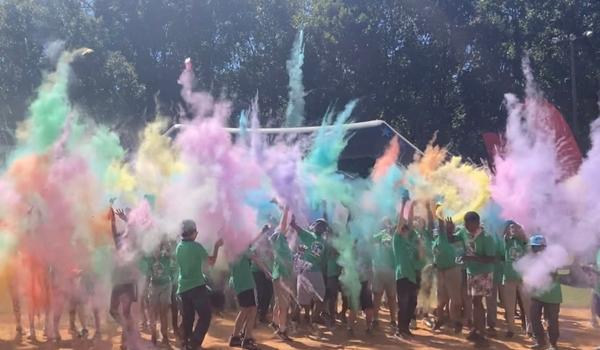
{"x":574,"y":89}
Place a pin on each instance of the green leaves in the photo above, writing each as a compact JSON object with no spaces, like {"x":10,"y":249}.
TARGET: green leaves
{"x":421,"y":65}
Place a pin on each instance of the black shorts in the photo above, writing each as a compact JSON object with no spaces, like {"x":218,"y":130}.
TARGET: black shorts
{"x":246,"y":298}
{"x":366,"y":297}
{"x":128,"y":289}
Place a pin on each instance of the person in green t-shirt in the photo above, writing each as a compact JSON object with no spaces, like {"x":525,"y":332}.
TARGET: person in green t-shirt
{"x":544,"y":302}
{"x":264,"y":283}
{"x":384,"y":280}
{"x":449,"y":273}
{"x":332,"y":275}
{"x":406,"y":257}
{"x":311,"y":285}
{"x":491,"y":301}
{"x":282,"y":276}
{"x":480,"y":255}
{"x":243,"y":284}
{"x":161,"y":267}
{"x":423,"y":238}
{"x":191,"y":287}
{"x":515,"y":244}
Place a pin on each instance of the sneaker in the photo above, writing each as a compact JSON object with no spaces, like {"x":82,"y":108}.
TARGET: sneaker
{"x":283,"y":336}
{"x":491,"y":331}
{"x":404,"y":335}
{"x":473,"y":336}
{"x":235,"y":341}
{"x":436,"y":326}
{"x":274,"y":326}
{"x":250,"y":344}
{"x":32,"y":336}
{"x":510,"y":334}
{"x":458,"y":327}
{"x":84,"y":333}
{"x":165,"y":342}
{"x":429,"y":323}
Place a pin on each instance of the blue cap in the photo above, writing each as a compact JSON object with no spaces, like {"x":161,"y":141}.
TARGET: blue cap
{"x":537,"y":240}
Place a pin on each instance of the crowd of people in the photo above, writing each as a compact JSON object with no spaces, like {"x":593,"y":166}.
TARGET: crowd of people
{"x":291,"y":277}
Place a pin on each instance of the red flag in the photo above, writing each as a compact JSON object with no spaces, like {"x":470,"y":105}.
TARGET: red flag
{"x":568,"y":153}
{"x":550,"y":119}
{"x":494,"y":143}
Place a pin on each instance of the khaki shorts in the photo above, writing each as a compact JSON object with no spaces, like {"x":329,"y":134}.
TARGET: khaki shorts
{"x":311,"y":287}
{"x":160,"y":294}
{"x":480,"y":285}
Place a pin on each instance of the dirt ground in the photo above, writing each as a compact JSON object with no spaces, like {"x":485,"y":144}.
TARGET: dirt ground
{"x":576,"y":333}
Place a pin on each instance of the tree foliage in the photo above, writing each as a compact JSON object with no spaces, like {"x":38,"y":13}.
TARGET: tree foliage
{"x":422,"y":65}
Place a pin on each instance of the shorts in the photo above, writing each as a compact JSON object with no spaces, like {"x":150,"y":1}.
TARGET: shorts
{"x":480,"y":285}
{"x":311,"y":287}
{"x":128,"y":289}
{"x":160,"y":294}
{"x":384,"y":280}
{"x":366,"y":297}
{"x":246,"y":298}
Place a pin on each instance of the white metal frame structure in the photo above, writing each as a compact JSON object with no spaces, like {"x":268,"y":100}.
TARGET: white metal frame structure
{"x":311,"y":129}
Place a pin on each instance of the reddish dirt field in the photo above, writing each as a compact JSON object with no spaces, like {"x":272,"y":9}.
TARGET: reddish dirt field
{"x":576,"y":333}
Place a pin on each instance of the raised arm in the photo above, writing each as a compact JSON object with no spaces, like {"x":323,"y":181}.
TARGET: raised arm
{"x":213,"y":258}
{"x":430,"y":217}
{"x":284,"y":220}
{"x":401,"y":220}
{"x":411,"y":215}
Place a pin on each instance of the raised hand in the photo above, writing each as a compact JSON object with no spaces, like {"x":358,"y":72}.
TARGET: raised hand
{"x":121,"y":214}
{"x":450,"y":226}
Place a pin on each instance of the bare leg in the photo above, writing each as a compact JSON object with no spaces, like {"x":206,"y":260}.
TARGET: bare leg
{"x":377,"y":305}
{"x":250,"y":322}
{"x":240,"y":321}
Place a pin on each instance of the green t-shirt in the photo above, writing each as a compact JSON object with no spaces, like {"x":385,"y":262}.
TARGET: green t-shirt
{"x":553,"y":295}
{"x":190,"y":256}
{"x":482,"y":245}
{"x":445,"y":253}
{"x":332,"y":269}
{"x":405,"y":255}
{"x":241,"y":274}
{"x":161,"y":270}
{"x":514,"y":250}
{"x":383,"y":251}
{"x":282,"y":257}
{"x":313,"y":248}
{"x":499,"y":264}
